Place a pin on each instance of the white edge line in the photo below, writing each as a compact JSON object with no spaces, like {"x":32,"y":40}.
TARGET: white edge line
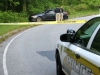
{"x":5,"y":53}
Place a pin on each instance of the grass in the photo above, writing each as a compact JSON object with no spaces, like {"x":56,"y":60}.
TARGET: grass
{"x":7,"y":28}
{"x":83,"y":13}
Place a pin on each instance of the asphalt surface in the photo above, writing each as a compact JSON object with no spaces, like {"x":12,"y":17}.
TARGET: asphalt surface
{"x":31,"y":52}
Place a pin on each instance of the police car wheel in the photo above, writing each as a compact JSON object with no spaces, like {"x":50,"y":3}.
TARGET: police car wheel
{"x":58,"y":65}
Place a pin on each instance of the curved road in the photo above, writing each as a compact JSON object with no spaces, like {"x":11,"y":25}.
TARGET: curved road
{"x":31,"y":52}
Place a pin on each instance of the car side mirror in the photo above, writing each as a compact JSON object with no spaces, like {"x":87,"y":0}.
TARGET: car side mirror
{"x":63,"y":37}
{"x":68,"y":37}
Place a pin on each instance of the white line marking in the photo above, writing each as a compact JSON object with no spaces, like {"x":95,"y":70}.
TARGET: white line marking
{"x":5,"y":53}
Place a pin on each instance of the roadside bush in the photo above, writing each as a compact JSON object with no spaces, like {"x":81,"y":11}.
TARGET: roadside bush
{"x":33,"y":10}
{"x":93,"y":7}
{"x":42,"y":7}
{"x":81,"y":7}
{"x":6,"y":17}
{"x":69,"y":9}
{"x":48,"y":5}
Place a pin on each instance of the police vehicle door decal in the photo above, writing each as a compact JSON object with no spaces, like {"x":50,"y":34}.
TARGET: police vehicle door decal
{"x":80,"y":66}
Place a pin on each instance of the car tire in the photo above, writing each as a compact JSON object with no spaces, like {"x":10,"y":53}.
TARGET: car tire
{"x":39,"y":19}
{"x":58,"y":65}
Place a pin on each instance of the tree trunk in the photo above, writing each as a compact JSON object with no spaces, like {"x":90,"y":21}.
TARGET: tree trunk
{"x":6,"y":5}
{"x":24,"y":5}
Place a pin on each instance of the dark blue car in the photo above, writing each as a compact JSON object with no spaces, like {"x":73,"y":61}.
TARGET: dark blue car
{"x":48,"y":15}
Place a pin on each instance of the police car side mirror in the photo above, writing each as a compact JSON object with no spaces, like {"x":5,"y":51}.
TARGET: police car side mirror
{"x":65,"y":37}
{"x":68,"y":37}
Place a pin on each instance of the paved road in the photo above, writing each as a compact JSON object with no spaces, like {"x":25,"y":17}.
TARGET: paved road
{"x":32,"y":52}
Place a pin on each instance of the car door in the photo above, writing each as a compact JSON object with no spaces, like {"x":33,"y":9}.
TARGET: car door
{"x":50,"y":15}
{"x":95,"y":49}
{"x":77,"y":56}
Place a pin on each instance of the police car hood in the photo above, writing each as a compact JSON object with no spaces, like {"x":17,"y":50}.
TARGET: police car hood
{"x":98,"y":15}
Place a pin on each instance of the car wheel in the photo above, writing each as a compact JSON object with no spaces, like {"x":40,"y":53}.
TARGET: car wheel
{"x":39,"y":19}
{"x":58,"y":65}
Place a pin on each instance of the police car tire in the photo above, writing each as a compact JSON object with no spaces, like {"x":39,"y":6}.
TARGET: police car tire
{"x":58,"y":65}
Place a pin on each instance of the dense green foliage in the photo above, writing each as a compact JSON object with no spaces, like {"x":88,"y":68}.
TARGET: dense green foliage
{"x":19,"y":10}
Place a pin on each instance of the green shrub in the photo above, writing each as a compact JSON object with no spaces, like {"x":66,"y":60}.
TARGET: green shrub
{"x":81,"y":7}
{"x":40,"y":8}
{"x":6,"y":17}
{"x":69,"y":9}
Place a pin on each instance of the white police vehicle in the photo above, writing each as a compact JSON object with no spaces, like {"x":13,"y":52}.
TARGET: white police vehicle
{"x":78,"y":53}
